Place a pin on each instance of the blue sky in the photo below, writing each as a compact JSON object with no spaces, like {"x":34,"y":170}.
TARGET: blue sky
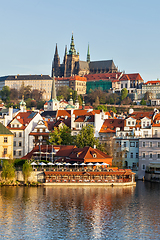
{"x":123,"y":30}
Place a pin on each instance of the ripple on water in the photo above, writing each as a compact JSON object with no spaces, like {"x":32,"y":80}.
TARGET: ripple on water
{"x":80,"y":212}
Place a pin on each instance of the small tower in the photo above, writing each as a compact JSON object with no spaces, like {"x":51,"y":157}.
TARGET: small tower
{"x":70,"y":100}
{"x":83,"y":104}
{"x":53,"y":103}
{"x":22,"y":105}
{"x":77,"y":103}
{"x":88,"y":55}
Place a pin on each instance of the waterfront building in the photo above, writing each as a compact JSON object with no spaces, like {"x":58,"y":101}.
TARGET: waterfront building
{"x":6,"y":143}
{"x":149,"y":153}
{"x":21,"y":126}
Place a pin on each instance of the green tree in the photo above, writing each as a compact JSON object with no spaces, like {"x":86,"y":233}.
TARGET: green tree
{"x":114,"y":109}
{"x":80,"y":100}
{"x":61,"y":136}
{"x":26,"y":170}
{"x":124,"y":94}
{"x":8,"y":170}
{"x":102,"y":107}
{"x":143,"y":102}
{"x":5,"y":93}
{"x":86,"y":138}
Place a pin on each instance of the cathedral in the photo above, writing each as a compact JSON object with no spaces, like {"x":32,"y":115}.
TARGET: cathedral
{"x":73,"y":66}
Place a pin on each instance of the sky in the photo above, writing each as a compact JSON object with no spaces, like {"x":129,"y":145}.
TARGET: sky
{"x":126,"y":31}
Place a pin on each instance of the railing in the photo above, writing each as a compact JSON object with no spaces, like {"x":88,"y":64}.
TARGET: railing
{"x":88,"y":180}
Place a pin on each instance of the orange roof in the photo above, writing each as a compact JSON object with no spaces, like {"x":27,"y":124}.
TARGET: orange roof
{"x":139,"y":115}
{"x":152,"y":82}
{"x":110,"y":125}
{"x":63,"y":113}
{"x":78,"y":78}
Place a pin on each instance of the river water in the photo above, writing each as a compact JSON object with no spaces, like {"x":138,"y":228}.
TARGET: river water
{"x":80,"y":212}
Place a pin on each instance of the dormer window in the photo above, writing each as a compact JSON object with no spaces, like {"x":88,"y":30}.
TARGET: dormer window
{"x":17,"y":125}
{"x":94,"y":155}
{"x":12,"y":125}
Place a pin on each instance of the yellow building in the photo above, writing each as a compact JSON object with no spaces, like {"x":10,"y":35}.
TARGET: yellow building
{"x":6,"y":143}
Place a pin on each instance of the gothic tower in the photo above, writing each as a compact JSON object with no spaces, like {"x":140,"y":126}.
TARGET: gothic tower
{"x":56,"y":63}
{"x":72,"y":59}
{"x":88,"y":55}
{"x":65,"y":62}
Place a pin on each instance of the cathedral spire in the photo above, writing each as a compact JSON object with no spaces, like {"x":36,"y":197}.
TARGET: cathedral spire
{"x":56,"y":51}
{"x":53,"y":91}
{"x":88,"y":55}
{"x":72,"y":50}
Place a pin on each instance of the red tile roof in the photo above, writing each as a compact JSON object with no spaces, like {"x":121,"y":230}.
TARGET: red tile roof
{"x":141,"y":114}
{"x":63,"y":113}
{"x":102,"y":76}
{"x":110,"y":125}
{"x":24,"y":118}
{"x":131,"y":76}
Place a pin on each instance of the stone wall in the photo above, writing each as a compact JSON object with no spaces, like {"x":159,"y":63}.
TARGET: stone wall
{"x":36,"y":176}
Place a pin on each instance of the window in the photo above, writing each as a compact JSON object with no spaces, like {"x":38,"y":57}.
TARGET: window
{"x":5,"y":151}
{"x":14,"y":143}
{"x":125,"y":155}
{"x":132,"y":144}
{"x":143,"y":167}
{"x":20,"y":134}
{"x":20,"y":144}
{"x":137,"y":145}
{"x":136,"y":155}
{"x":5,"y":139}
{"x":17,"y":125}
{"x":150,"y":144}
{"x":150,"y":155}
{"x":143,"y":155}
{"x":14,"y":153}
{"x":117,"y":154}
{"x":19,"y":153}
{"x":14,"y":134}
{"x":158,"y":155}
{"x":126,"y":85}
{"x":143,"y":144}
{"x":131,"y":154}
{"x":128,"y":122}
{"x":132,"y":123}
{"x":124,"y":144}
{"x":158,"y":144}
{"x":156,"y":133}
{"x":134,"y":165}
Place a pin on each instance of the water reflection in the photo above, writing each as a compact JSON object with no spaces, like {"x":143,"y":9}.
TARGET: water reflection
{"x":80,"y":212}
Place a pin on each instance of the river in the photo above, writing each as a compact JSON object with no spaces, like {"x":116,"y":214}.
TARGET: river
{"x":80,"y":212}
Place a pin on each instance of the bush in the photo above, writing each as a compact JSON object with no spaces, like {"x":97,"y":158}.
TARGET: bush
{"x":26,"y":170}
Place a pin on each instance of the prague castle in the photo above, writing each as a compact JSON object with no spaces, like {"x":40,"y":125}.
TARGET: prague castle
{"x":73,"y":66}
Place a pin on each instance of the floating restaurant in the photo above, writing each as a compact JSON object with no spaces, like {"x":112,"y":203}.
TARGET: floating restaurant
{"x":108,"y":176}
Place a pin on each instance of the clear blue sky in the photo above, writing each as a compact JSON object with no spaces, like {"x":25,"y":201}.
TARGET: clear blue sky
{"x":126,"y":31}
